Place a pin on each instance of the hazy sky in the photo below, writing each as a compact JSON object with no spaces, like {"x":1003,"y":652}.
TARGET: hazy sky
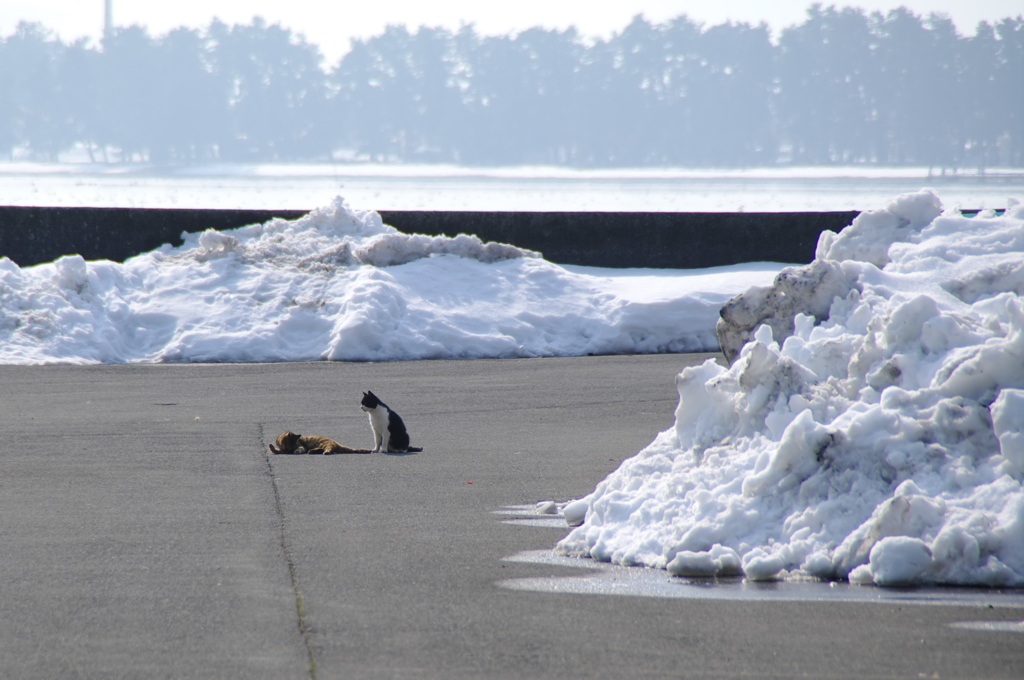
{"x":332,"y":24}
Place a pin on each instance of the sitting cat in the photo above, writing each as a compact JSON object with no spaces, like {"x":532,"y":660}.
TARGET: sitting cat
{"x":389,"y":433}
{"x":289,"y":442}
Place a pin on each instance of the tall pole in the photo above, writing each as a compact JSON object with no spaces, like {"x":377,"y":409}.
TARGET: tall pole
{"x":108,"y":20}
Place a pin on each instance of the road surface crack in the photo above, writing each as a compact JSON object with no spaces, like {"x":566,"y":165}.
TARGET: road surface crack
{"x":300,"y":608}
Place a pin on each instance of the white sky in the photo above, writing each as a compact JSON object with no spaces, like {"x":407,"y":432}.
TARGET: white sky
{"x":331,"y":24}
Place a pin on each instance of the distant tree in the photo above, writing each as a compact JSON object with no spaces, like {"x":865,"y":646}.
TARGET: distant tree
{"x":129,"y":95}
{"x":983,"y":125}
{"x":841,"y":87}
{"x":10,"y":104}
{"x":376,"y":82}
{"x":635,"y":94}
{"x":518,"y":91}
{"x":731,"y":92}
{"x":551,"y":116}
{"x":915,"y":82}
{"x":190,"y":108}
{"x":359,"y":100}
{"x":403,"y":93}
{"x":1008,"y":102}
{"x":78,"y":71}
{"x":438,"y":83}
{"x":824,"y":102}
{"x":501,"y":103}
{"x":31,"y":108}
{"x":684,"y":118}
{"x":275,"y":87}
{"x":949,"y":95}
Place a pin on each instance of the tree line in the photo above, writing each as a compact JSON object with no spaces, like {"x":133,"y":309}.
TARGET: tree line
{"x":844,"y":86}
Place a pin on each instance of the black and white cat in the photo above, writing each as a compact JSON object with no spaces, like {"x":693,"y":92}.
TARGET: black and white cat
{"x":389,"y":433}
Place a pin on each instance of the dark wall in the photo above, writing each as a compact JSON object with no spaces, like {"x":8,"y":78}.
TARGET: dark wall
{"x":673,"y":240}
{"x":33,"y":235}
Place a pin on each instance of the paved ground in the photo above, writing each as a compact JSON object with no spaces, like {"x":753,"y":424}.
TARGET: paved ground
{"x":146,"y":533}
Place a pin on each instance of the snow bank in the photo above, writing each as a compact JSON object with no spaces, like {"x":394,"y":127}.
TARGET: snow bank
{"x":871,"y":429}
{"x":339,"y":284}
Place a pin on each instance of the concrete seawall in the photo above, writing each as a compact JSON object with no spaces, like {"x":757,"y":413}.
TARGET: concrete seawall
{"x":31,"y":235}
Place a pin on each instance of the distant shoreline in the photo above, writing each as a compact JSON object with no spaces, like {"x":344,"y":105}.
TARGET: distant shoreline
{"x":421,"y":187}
{"x":76,"y":165}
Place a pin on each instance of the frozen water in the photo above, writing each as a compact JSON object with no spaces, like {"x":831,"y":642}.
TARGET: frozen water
{"x":303,"y":186}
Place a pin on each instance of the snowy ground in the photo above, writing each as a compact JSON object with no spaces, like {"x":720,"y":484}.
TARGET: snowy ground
{"x":872,"y":429}
{"x":440,"y":187}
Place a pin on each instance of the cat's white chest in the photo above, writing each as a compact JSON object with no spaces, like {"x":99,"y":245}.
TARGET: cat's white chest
{"x":379,"y":424}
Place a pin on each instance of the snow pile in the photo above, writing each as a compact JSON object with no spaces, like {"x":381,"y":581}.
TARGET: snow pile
{"x":872,"y":429}
{"x":339,"y":284}
{"x":337,"y":236}
{"x":811,"y":290}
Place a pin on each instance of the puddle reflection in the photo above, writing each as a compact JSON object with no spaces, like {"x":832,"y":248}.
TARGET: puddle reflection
{"x":600,"y":578}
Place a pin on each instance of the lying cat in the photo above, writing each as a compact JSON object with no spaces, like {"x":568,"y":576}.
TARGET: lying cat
{"x":289,"y":442}
{"x":389,"y":433}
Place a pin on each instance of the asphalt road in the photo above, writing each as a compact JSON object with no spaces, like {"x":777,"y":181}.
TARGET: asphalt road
{"x":146,"y":532}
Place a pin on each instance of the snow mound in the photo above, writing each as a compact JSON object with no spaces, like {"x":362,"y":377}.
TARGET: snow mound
{"x":336,"y":236}
{"x":339,"y":284}
{"x":871,"y":429}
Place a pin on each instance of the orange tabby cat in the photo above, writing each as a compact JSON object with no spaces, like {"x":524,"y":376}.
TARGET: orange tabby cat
{"x":289,"y":442}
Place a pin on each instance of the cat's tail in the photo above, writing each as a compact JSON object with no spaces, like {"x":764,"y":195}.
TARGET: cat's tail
{"x":413,"y":449}
{"x":349,"y":449}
